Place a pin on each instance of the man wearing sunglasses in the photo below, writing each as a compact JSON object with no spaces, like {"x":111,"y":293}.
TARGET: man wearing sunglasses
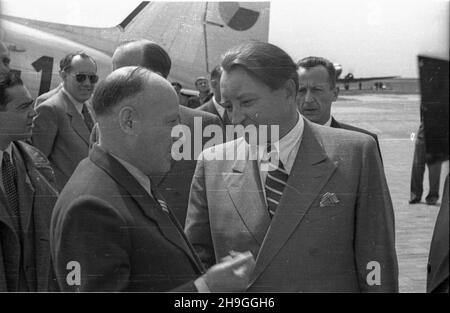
{"x":27,"y":195}
{"x":63,"y":123}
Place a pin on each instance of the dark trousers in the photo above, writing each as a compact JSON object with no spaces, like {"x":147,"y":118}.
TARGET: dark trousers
{"x":418,"y":169}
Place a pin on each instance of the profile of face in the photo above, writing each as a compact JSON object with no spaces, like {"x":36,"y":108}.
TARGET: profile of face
{"x":154,"y":121}
{"x":315,"y":94}
{"x":16,"y":117}
{"x":215,"y":86}
{"x":80,"y":78}
{"x":249,"y":101}
{"x":4,"y":58}
{"x":202,"y":85}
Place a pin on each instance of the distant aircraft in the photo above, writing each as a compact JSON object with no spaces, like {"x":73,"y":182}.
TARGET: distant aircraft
{"x":195,"y":34}
{"x":349,"y":78}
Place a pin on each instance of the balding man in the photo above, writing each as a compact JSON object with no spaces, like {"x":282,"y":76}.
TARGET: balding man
{"x":175,"y":185}
{"x":109,"y":223}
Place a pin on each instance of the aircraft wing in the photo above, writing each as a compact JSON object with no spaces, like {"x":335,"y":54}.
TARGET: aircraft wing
{"x":363,"y":79}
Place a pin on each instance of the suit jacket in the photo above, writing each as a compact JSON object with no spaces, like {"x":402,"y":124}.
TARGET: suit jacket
{"x":336,"y":124}
{"x":47,"y":95}
{"x":306,"y":247}
{"x":437,"y":277}
{"x":37,"y":196}
{"x":60,"y":133}
{"x":176,"y":184}
{"x":119,"y":235}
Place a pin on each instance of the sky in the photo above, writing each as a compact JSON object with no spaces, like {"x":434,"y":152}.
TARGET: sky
{"x":367,"y":37}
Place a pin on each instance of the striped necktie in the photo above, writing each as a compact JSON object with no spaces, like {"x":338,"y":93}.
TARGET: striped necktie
{"x":274,"y":186}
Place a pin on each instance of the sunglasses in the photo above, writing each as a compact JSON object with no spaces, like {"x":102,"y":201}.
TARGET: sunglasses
{"x":82,"y":77}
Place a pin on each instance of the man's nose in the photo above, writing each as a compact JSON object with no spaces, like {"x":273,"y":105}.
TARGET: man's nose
{"x":237,"y":116}
{"x":308,"y":96}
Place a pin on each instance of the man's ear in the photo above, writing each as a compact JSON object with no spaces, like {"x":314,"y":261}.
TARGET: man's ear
{"x":335,"y":93}
{"x":291,"y":89}
{"x":127,"y":120}
{"x":63,"y":75}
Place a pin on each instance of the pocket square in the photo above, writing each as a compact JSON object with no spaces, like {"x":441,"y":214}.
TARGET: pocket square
{"x":329,"y":199}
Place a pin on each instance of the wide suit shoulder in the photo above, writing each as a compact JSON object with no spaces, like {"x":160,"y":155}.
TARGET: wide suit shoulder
{"x":118,"y":234}
{"x":310,"y":245}
{"x":336,"y":124}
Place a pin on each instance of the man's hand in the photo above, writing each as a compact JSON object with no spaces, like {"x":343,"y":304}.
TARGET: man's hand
{"x":232,"y":274}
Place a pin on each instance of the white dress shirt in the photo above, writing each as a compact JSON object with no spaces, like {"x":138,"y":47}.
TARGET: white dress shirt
{"x":78,"y":105}
{"x":328,"y":123}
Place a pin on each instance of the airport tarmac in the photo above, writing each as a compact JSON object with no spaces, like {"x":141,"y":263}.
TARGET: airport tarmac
{"x":395,"y":119}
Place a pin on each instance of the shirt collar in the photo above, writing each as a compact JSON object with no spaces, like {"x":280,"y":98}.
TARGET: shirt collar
{"x":142,"y":179}
{"x":220,"y":109}
{"x":287,"y":146}
{"x":78,"y":105}
{"x":289,"y":141}
{"x":328,"y":123}
{"x":9,"y":150}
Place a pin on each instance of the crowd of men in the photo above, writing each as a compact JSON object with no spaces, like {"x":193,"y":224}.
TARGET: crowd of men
{"x":92,"y":199}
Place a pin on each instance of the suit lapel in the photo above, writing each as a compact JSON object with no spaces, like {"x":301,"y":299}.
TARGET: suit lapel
{"x":147,"y":204}
{"x":310,"y":172}
{"x":250,"y":203}
{"x":76,"y":121}
{"x":24,"y":189}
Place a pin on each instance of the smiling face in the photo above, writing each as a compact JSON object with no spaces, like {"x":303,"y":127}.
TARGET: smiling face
{"x":315,"y":94}
{"x":81,"y":91}
{"x":16,"y":117}
{"x":251,"y":102}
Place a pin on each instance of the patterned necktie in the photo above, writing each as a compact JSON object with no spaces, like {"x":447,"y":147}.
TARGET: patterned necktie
{"x":9,"y":176}
{"x":87,"y":117}
{"x":274,"y":186}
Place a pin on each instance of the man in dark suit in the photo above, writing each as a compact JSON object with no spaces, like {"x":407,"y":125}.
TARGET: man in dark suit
{"x":318,"y":90}
{"x":109,"y":222}
{"x":315,"y":210}
{"x":63,"y":123}
{"x":202,"y":85}
{"x":437,"y":269}
{"x":176,"y":183}
{"x":213,"y":105}
{"x":27,"y":196}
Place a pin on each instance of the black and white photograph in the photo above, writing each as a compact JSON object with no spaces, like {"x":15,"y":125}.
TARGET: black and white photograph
{"x":243,"y":149}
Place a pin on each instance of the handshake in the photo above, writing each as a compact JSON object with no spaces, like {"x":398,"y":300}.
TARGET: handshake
{"x":232,"y":274}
